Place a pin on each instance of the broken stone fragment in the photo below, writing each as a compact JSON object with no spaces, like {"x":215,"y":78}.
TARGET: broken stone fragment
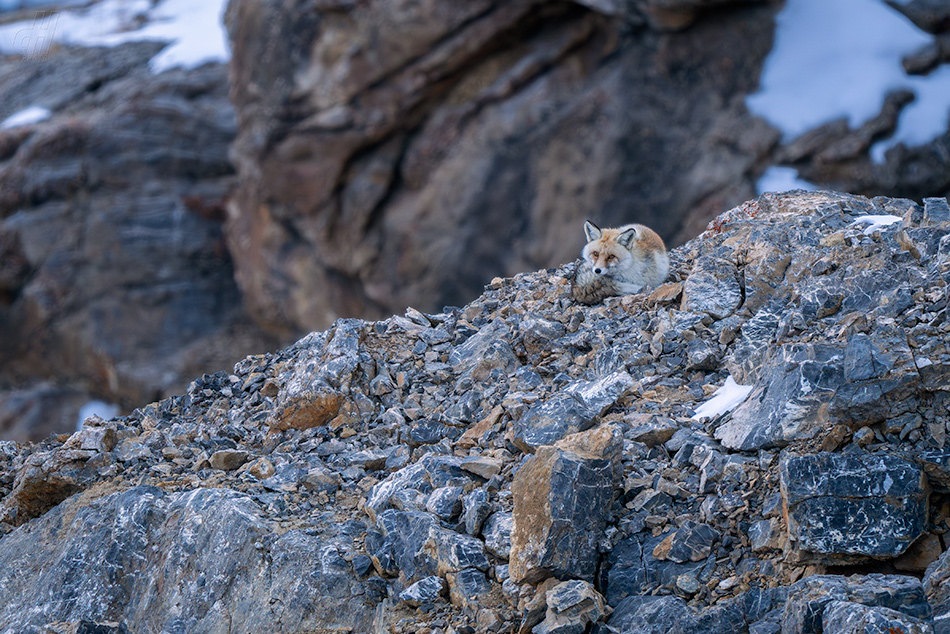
{"x":937,"y":588}
{"x":425,"y":590}
{"x":228,"y":459}
{"x":453,"y":551}
{"x":712,"y":288}
{"x":572,"y":606}
{"x":468,"y":588}
{"x":808,"y":598}
{"x":310,"y":409}
{"x":845,"y":617}
{"x":691,"y":542}
{"x":574,"y":409}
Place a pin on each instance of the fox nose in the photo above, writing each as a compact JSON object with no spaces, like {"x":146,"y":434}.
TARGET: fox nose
{"x":598,"y":270}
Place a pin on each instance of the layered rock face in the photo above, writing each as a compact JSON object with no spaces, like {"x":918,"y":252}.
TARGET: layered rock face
{"x":526,"y":463}
{"x":115,"y":280}
{"x":395,"y":154}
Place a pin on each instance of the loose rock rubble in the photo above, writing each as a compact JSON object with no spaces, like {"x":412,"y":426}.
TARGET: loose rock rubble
{"x":528,"y":464}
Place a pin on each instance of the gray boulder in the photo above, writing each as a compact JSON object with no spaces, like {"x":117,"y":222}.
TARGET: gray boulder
{"x":853,"y":504}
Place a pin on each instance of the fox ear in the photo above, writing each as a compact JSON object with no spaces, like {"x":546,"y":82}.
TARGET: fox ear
{"x":627,"y":237}
{"x":592,"y":231}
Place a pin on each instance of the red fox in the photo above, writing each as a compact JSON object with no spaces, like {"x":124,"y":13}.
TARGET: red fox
{"x":618,"y":262}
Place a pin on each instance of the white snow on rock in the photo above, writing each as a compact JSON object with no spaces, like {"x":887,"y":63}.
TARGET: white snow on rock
{"x":193,"y":28}
{"x":839,"y":59}
{"x":875,"y":222}
{"x":723,"y":400}
{"x":27,"y":116}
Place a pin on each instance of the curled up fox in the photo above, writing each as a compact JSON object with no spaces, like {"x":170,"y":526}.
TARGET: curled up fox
{"x":619,"y":262}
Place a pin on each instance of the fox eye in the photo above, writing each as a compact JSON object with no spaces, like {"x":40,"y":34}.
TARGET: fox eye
{"x":611,"y":258}
{"x":595,"y":254}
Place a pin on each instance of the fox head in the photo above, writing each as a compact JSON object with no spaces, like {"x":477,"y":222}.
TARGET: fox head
{"x":608,"y":249}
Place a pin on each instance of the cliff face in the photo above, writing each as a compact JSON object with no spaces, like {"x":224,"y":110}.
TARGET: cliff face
{"x":395,"y":154}
{"x":527,"y":462}
{"x":115,"y":279}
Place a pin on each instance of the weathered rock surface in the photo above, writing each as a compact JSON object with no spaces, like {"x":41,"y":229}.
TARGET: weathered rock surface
{"x":845,"y":617}
{"x":389,"y":154}
{"x":412,"y":508}
{"x":864,"y":504}
{"x":115,"y":280}
{"x":371,"y":133}
{"x":556,"y":492}
{"x":809,"y":600}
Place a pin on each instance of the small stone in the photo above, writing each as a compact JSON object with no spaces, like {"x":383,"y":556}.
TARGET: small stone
{"x":262,"y":468}
{"x":228,"y":459}
{"x":687,"y":584}
{"x":482,"y":467}
{"x":425,"y":590}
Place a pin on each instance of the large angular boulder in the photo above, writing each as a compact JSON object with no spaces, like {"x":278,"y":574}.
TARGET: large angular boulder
{"x":853,"y":504}
{"x":561,"y":498}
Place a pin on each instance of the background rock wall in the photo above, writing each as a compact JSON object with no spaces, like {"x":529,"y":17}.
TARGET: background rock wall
{"x":394,"y":155}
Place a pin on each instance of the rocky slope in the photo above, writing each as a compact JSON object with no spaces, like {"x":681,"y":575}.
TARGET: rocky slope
{"x":526,"y":463}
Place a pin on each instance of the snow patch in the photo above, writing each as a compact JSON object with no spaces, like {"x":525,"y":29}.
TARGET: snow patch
{"x":103,"y":410}
{"x":782,"y":179}
{"x":723,"y":400}
{"x":839,"y":59}
{"x":27,"y":116}
{"x":194,"y":30}
{"x":875,"y":223}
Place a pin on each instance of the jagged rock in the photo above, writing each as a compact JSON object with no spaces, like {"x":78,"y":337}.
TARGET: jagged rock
{"x":650,"y":429}
{"x":809,"y":598}
{"x":937,"y":588}
{"x":844,"y":617}
{"x":468,"y":588}
{"x":497,"y":534}
{"x":423,"y":591}
{"x":857,"y":504}
{"x":452,"y":551}
{"x":445,"y":502}
{"x":575,"y":409}
{"x":228,"y":459}
{"x":476,"y":511}
{"x":422,"y":477}
{"x":712,"y":288}
{"x":862,"y":381}
{"x":634,"y":570}
{"x":692,"y":542}
{"x":766,"y":535}
{"x":571,"y":607}
{"x":560,"y":502}
{"x":403,"y":549}
{"x":936,"y":465}
{"x":651,"y":615}
{"x":181,"y":537}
